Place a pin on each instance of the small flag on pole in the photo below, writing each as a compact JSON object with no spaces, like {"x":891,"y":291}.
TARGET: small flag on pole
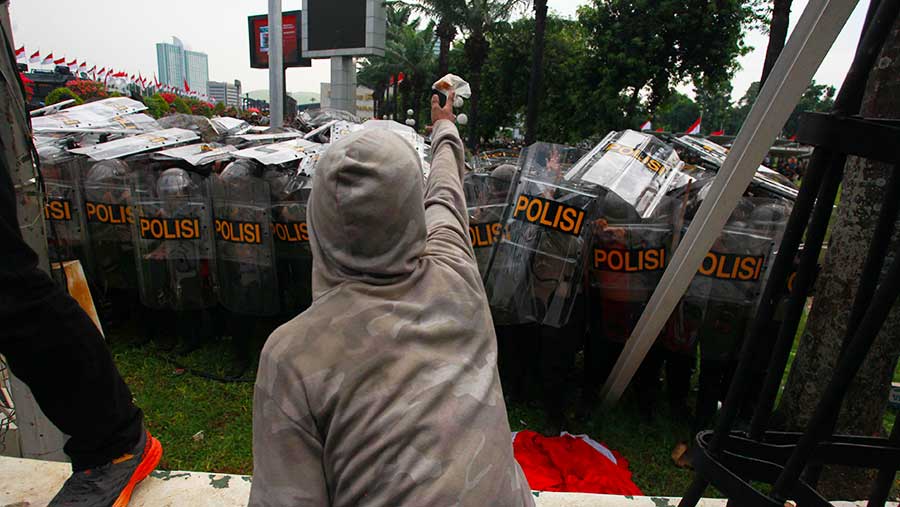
{"x":73,"y":65}
{"x":35,"y":58}
{"x":400,"y":78}
{"x":717,"y":133}
{"x":647,"y":125}
{"x":47,"y":59}
{"x":695,"y":128}
{"x":60,"y":61}
{"x":186,"y":87}
{"x":20,"y":55}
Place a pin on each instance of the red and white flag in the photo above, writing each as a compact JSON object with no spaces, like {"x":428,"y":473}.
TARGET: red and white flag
{"x":35,"y":58}
{"x":93,"y":70}
{"x":695,"y":128}
{"x":186,"y":87}
{"x":717,"y":133}
{"x":20,"y":55}
{"x":73,"y":65}
{"x":82,"y":67}
{"x":47,"y":59}
{"x":155,"y":81}
{"x":647,"y":125}
{"x":400,"y":78}
{"x":59,"y":61}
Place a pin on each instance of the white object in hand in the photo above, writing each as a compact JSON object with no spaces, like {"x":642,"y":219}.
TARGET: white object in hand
{"x":462,"y":119}
{"x":411,"y":122}
{"x":458,"y":102}
{"x":409,"y":112}
{"x":455,"y":84}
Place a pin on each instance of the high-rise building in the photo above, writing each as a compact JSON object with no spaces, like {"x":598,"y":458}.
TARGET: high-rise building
{"x":177,"y":65}
{"x":227,"y":93}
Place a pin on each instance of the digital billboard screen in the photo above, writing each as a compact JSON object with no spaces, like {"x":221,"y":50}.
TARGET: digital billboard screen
{"x":258,"y":27}
{"x":343,"y":28}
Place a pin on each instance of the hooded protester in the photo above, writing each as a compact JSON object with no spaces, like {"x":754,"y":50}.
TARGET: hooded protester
{"x":385,"y":391}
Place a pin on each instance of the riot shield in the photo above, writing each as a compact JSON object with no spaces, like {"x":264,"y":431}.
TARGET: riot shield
{"x":173,"y":238}
{"x":733,"y":272}
{"x":108,"y":187}
{"x":290,"y":195}
{"x":486,"y":202}
{"x":535,"y":270}
{"x":637,"y":167}
{"x":64,"y":206}
{"x":245,"y":255}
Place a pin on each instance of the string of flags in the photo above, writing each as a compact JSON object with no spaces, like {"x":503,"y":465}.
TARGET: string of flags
{"x":105,"y":75}
{"x":694,"y":129}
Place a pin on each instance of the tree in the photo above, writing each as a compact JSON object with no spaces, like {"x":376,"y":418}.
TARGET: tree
{"x":778,"y":29}
{"x":448,"y":14}
{"x":861,"y":199}
{"x":677,"y":113}
{"x":157,"y":106}
{"x":61,"y":94}
{"x":653,"y":45}
{"x":537,"y":60}
{"x":482,"y":17}
{"x":816,"y":98}
{"x":409,"y":49}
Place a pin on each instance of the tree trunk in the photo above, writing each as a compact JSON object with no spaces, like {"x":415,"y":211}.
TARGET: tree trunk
{"x":861,"y":199}
{"x":446,"y":32}
{"x":477,"y":48}
{"x":778,"y":29}
{"x":537,"y":70}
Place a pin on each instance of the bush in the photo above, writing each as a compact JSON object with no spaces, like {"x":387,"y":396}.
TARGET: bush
{"x":219,"y":110}
{"x":61,"y":94}
{"x":180,"y":106}
{"x":88,"y":90}
{"x":157,"y":106}
{"x":168,"y":97}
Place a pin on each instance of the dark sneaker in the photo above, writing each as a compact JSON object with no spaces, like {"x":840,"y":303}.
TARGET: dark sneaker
{"x":111,"y":485}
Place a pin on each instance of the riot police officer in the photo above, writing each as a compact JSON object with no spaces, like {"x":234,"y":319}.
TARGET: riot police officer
{"x":248,"y":285}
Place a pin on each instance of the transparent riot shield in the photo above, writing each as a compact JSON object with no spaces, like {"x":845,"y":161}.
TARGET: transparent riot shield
{"x":626,"y":260}
{"x":486,"y":203}
{"x":637,"y":167}
{"x":64,"y":206}
{"x":535,"y":270}
{"x":733,"y":272}
{"x":245,"y":255}
{"x":108,"y":187}
{"x":173,"y":238}
{"x":290,"y":196}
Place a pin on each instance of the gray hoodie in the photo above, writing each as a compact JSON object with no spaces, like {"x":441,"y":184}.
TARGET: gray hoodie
{"x":385,"y":391}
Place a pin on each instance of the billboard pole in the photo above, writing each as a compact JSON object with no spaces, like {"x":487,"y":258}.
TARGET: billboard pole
{"x":276,"y":65}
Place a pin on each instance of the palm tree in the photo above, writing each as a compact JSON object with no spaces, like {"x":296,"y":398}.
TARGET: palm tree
{"x":409,"y":49}
{"x":449,"y":14}
{"x":537,"y":68}
{"x":481,"y":18}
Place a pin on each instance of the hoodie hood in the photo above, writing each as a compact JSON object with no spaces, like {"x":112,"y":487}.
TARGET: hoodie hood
{"x":366,"y":212}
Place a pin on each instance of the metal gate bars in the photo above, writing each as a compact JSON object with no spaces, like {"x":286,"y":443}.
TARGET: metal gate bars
{"x":790,"y":462}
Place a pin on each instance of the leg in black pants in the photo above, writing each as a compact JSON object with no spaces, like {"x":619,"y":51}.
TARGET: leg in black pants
{"x":54,"y":347}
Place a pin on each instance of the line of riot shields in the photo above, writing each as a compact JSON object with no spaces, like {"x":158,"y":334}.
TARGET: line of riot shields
{"x":571,"y":237}
{"x":192,"y":239}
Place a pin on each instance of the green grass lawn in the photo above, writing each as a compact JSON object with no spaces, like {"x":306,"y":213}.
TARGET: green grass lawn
{"x":180,"y":405}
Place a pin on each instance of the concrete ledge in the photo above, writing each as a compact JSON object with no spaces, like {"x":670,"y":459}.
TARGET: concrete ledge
{"x":32,"y":483}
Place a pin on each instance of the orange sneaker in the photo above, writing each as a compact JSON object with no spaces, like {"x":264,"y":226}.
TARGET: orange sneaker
{"x":111,"y":485}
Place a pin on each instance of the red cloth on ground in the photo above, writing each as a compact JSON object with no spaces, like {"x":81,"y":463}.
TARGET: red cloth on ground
{"x":570,"y":464}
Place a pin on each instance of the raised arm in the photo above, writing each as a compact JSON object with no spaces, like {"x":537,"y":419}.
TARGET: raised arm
{"x":445,"y":201}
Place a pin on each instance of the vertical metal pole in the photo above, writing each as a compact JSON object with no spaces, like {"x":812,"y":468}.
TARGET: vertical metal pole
{"x":810,"y":41}
{"x":276,"y":65}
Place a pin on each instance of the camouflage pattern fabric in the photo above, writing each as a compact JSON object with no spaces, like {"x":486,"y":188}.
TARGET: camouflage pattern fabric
{"x":385,"y":392}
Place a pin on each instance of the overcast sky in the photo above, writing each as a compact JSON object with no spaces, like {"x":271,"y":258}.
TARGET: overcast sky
{"x":123,"y":34}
